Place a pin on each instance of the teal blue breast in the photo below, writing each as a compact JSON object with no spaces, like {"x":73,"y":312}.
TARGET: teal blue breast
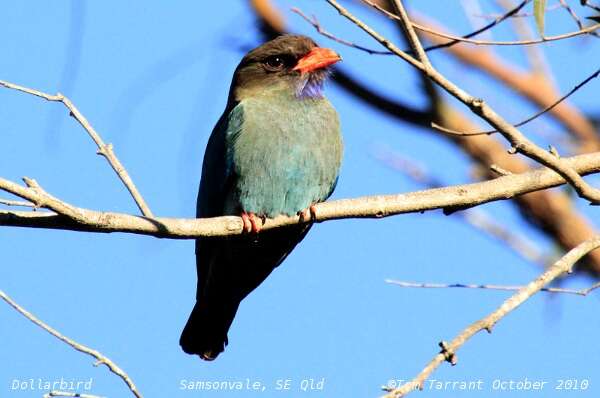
{"x":285,"y":155}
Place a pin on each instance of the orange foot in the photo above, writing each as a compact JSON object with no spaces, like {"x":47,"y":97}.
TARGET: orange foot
{"x":251,"y":222}
{"x":308,"y":215}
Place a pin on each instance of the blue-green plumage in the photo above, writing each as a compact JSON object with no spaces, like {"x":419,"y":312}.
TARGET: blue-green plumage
{"x":286,"y":153}
{"x":275,"y":150}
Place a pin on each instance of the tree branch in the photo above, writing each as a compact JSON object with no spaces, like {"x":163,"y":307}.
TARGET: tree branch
{"x":580,"y":292}
{"x":7,"y":202}
{"x":467,"y":38}
{"x":534,"y":87}
{"x":527,"y":120}
{"x":315,"y":23}
{"x":69,"y":394}
{"x":69,"y":217}
{"x":450,"y":43}
{"x":589,"y":29}
{"x":100,"y":359}
{"x":106,"y":150}
{"x":448,"y":353}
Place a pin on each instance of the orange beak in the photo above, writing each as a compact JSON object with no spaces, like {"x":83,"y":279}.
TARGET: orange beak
{"x":317,"y":58}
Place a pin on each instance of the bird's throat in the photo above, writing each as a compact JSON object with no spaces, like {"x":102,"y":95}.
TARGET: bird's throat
{"x":310,"y":88}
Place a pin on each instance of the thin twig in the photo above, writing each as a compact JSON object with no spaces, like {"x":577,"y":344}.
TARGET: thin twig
{"x":69,"y":394}
{"x":73,"y":218}
{"x":544,"y":39}
{"x":525,"y":121}
{"x":497,"y":21}
{"x":533,"y":87}
{"x":580,"y":292}
{"x":382,"y":40}
{"x":315,"y":23}
{"x":574,"y":16}
{"x":467,"y":38}
{"x":592,"y":6}
{"x":105,"y":150}
{"x":517,"y":15}
{"x":448,"y":353}
{"x":535,"y":54}
{"x":100,"y":358}
{"x":20,"y":203}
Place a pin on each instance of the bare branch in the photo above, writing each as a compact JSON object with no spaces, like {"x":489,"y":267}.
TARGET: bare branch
{"x":565,"y":5}
{"x":7,"y":202}
{"x":520,"y":15}
{"x":535,"y":54}
{"x":382,"y":40}
{"x":106,"y":150}
{"x":525,"y":121}
{"x":544,"y":39}
{"x":467,"y":38}
{"x":69,"y":217}
{"x":580,"y":292}
{"x":69,"y":394}
{"x":587,"y":3}
{"x":315,"y":23}
{"x":496,"y":21}
{"x":100,"y":359}
{"x":534,"y":87}
{"x":448,"y":353}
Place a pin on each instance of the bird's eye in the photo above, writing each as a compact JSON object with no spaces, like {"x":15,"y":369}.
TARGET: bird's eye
{"x":276,"y":62}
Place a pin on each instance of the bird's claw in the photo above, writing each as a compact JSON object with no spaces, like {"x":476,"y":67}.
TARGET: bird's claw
{"x":309,"y":214}
{"x":251,"y":222}
{"x":208,"y":356}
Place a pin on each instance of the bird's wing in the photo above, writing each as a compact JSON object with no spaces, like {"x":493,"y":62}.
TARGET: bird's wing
{"x":216,"y":186}
{"x":216,"y":181}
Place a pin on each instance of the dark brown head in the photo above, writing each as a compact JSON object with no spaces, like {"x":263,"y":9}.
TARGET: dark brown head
{"x":290,"y":60}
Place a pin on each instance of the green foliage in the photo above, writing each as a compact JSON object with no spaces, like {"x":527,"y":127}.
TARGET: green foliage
{"x":539,"y":10}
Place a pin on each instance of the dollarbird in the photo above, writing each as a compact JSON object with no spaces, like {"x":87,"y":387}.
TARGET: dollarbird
{"x":276,"y":150}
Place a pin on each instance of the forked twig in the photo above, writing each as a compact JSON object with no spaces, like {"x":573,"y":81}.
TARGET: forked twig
{"x":449,"y":349}
{"x":106,"y":150}
{"x":100,"y":358}
{"x":580,"y":292}
{"x":525,"y":121}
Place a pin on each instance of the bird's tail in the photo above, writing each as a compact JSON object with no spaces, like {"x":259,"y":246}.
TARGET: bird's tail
{"x":228,"y":270}
{"x":205,"y":333}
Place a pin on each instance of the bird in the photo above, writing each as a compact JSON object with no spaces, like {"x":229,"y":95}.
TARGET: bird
{"x":275,"y":150}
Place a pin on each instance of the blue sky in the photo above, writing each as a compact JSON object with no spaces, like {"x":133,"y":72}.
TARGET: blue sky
{"x":152,"y":77}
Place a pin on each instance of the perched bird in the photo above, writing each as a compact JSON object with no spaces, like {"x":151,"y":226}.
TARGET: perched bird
{"x":275,"y":150}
